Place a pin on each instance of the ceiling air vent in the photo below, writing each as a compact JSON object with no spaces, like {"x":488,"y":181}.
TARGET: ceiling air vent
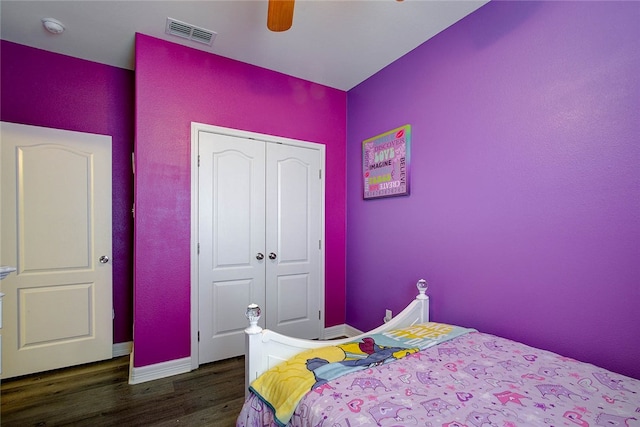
{"x":188,"y":31}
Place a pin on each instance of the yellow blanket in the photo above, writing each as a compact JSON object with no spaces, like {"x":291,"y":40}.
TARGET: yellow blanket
{"x":282,"y":387}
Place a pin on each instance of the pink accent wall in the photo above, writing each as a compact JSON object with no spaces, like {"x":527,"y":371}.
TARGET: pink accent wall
{"x":524,"y":213}
{"x":46,"y":89}
{"x":177,"y":85}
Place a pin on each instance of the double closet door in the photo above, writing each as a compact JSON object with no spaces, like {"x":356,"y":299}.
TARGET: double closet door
{"x":260,"y":240}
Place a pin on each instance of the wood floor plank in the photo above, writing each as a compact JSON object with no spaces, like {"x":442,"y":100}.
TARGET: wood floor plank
{"x":99,"y":395}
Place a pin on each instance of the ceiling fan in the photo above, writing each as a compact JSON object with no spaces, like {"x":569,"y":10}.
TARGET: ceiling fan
{"x":280,"y":15}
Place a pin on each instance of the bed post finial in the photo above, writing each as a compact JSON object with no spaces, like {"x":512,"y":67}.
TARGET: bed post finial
{"x":422,"y":286}
{"x":253,"y":314}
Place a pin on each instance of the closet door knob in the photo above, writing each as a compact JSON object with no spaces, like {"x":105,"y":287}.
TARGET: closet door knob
{"x":260,"y":256}
{"x":272,"y":256}
{"x":104,"y":259}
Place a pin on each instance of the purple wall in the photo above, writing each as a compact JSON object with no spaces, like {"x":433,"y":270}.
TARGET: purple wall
{"x":46,"y":89}
{"x":525,"y":197}
{"x":176,"y":85}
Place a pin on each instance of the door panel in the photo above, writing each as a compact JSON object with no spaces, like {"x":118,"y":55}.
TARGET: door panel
{"x":43,"y":318}
{"x":67,"y":213}
{"x":56,"y":224}
{"x":293,"y":217}
{"x":231,"y":234}
{"x":293,"y":294}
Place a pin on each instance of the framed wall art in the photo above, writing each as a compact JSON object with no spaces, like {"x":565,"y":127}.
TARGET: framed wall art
{"x":385,"y":164}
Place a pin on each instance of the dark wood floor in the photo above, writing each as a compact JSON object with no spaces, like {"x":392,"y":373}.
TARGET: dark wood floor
{"x":98,"y":394}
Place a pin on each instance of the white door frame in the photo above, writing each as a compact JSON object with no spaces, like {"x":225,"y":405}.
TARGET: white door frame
{"x":195,"y":128}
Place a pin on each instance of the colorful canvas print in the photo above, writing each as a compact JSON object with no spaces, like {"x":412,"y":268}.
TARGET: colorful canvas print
{"x":385,"y":163}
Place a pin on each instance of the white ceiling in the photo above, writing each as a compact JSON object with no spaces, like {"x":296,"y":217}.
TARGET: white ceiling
{"x":335,"y":43}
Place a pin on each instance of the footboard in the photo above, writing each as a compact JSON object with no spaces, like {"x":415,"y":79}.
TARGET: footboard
{"x":266,"y":349}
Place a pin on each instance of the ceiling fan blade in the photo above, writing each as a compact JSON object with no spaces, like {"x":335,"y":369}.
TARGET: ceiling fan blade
{"x":280,"y":15}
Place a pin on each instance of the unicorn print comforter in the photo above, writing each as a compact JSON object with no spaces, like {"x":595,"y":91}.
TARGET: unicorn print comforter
{"x":474,"y":380}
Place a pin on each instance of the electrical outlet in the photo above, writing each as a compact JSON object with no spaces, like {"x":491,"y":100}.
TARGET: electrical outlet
{"x":388,"y":315}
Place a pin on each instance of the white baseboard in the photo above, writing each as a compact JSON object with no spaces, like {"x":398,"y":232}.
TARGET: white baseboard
{"x":122,"y":349}
{"x":340,"y":331}
{"x":159,"y":370}
{"x":180,"y":366}
{"x":351,"y":331}
{"x":332,"y":332}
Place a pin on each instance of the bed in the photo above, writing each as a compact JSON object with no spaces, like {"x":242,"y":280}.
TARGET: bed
{"x":410,"y":371}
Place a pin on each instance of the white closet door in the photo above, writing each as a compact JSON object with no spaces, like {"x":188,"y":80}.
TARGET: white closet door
{"x":56,"y":228}
{"x":293,"y":217}
{"x":231,"y":237}
{"x":259,"y":232}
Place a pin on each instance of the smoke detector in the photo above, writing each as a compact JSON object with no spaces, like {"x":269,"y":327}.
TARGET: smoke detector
{"x":188,"y":31}
{"x":53,"y":25}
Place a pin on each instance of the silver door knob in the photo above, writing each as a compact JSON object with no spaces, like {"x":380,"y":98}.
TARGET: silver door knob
{"x":272,"y":256}
{"x":260,"y":256}
{"x":104,"y":259}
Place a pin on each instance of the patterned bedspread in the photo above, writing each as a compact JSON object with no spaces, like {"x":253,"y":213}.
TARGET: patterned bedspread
{"x":473,"y":380}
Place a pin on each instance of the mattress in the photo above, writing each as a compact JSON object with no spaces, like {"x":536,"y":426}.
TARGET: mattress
{"x":476,"y":379}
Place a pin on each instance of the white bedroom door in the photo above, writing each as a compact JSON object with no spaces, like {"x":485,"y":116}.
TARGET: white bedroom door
{"x":260,"y":228}
{"x":56,"y":229}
